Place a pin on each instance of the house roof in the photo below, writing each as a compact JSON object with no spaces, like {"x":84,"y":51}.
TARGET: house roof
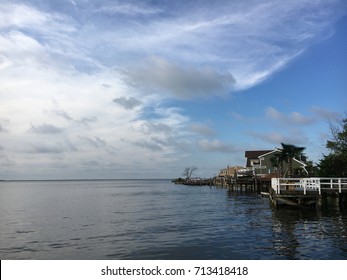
{"x":259,"y":153}
{"x":301,"y":162}
{"x":254,"y":155}
{"x":276,"y":150}
{"x":302,"y":159}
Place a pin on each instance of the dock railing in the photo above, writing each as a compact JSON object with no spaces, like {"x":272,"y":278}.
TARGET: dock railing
{"x":334,"y":183}
{"x":308,"y":184}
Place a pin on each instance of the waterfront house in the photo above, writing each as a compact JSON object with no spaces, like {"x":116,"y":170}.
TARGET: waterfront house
{"x":263,"y":163}
{"x":230,"y":171}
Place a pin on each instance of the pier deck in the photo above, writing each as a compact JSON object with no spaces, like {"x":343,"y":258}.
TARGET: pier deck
{"x":308,"y":191}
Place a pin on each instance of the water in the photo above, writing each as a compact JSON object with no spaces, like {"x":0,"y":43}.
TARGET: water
{"x":155,"y":219}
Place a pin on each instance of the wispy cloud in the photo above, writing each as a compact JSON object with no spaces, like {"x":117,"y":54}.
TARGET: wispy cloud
{"x":203,"y":129}
{"x":57,"y":147}
{"x":296,"y":137}
{"x":325,"y":113}
{"x":233,"y":45}
{"x":148,"y":145}
{"x":45,"y":129}
{"x":151,"y":127}
{"x":251,"y":41}
{"x":216,"y":146}
{"x":293,"y":118}
{"x":130,"y":9}
{"x":95,"y":142}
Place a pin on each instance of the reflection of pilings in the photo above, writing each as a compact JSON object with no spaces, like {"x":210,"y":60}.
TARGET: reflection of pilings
{"x":314,"y":199}
{"x":332,"y":200}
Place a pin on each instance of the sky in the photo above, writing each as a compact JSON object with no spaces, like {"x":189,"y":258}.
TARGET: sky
{"x":142,"y":89}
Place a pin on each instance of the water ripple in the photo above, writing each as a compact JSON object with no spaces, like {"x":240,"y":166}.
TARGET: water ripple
{"x":160,"y":220}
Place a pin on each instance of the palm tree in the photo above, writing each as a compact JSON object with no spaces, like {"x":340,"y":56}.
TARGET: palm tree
{"x":289,"y":152}
{"x":277,"y":161}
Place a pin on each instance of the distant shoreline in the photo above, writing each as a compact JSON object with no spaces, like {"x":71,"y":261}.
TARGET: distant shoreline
{"x":81,"y":180}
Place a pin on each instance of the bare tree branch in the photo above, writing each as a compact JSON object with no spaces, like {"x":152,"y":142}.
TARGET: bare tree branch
{"x":189,"y":171}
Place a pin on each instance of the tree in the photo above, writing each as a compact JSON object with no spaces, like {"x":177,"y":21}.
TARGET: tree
{"x":311,"y":168}
{"x":338,"y":143}
{"x":335,"y":163}
{"x":289,"y":152}
{"x":189,"y":171}
{"x":332,"y":165}
{"x":277,"y":161}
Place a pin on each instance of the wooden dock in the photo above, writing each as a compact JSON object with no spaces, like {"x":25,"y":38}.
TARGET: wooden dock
{"x":308,"y":192}
{"x":243,"y":184}
{"x":250,"y":184}
{"x":297,"y":192}
{"x":195,"y":182}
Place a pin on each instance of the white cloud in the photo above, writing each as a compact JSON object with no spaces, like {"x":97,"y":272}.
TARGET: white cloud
{"x":20,"y":49}
{"x":67,"y":119}
{"x":29,"y":18}
{"x":21,"y":16}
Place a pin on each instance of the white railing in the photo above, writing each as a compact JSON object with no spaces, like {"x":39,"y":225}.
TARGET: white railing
{"x":255,"y":169}
{"x":334,"y":183}
{"x":308,"y":184}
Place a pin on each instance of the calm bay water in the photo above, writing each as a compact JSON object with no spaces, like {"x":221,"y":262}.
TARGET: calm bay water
{"x":155,"y":219}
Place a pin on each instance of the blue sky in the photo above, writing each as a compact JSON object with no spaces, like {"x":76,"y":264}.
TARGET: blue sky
{"x":143,"y":89}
